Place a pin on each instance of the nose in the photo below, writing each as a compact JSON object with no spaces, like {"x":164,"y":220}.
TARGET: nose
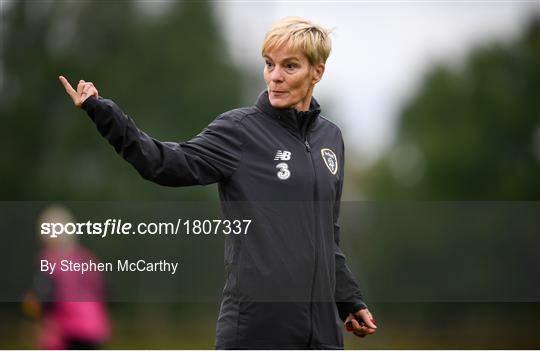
{"x":276,"y":75}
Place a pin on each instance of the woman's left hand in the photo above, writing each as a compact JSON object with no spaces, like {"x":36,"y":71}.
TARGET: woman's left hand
{"x":361,"y":329}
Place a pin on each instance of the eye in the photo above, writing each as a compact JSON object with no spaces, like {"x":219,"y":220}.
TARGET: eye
{"x":291,"y":66}
{"x":269,"y":64}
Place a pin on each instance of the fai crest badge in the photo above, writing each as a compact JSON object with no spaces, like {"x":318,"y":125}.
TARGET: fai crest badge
{"x":330,"y":160}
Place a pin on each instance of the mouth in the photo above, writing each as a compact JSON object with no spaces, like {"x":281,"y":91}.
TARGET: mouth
{"x":278,"y":92}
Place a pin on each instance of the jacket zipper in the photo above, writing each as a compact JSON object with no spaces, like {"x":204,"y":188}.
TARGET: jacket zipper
{"x":316,"y":228}
{"x":302,"y":136}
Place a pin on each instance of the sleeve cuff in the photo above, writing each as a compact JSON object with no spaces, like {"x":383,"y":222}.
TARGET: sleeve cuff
{"x":89,"y":103}
{"x":344,"y":308}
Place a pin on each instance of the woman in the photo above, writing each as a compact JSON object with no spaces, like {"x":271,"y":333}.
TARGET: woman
{"x":71,"y":307}
{"x":279,"y":163}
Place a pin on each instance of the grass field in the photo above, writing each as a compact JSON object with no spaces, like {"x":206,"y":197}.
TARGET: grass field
{"x":401,"y":326}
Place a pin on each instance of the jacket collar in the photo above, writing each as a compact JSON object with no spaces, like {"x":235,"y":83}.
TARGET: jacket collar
{"x":291,"y":118}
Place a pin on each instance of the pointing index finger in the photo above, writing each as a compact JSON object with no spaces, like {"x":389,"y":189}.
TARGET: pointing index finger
{"x":67,"y":86}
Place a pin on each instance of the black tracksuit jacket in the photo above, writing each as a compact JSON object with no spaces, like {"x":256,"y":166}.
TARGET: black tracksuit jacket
{"x":287,"y":284}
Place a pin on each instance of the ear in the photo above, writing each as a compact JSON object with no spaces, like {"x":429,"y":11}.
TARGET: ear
{"x":318,"y":72}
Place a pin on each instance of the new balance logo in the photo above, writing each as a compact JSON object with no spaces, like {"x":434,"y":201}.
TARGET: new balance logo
{"x":282,"y":156}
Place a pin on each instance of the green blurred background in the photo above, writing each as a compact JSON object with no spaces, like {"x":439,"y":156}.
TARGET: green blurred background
{"x":469,"y":132}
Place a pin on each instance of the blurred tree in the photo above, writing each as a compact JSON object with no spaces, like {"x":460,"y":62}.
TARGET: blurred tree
{"x":169,"y":71}
{"x":471,"y":133}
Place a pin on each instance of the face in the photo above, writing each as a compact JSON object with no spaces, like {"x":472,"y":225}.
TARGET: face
{"x":290,"y":78}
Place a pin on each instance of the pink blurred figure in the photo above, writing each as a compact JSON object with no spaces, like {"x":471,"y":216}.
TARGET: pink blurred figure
{"x":74,"y":312}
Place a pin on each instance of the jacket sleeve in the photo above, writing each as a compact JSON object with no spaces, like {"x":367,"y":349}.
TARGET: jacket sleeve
{"x":347,"y":295}
{"x":209,"y":157}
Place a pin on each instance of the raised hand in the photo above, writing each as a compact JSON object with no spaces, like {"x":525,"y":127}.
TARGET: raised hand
{"x":83,"y":92}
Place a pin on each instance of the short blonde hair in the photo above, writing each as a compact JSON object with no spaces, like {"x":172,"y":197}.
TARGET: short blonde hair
{"x":302,"y":35}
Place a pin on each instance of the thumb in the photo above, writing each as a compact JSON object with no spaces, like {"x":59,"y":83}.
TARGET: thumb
{"x":367,"y":318}
{"x":370,"y":323}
